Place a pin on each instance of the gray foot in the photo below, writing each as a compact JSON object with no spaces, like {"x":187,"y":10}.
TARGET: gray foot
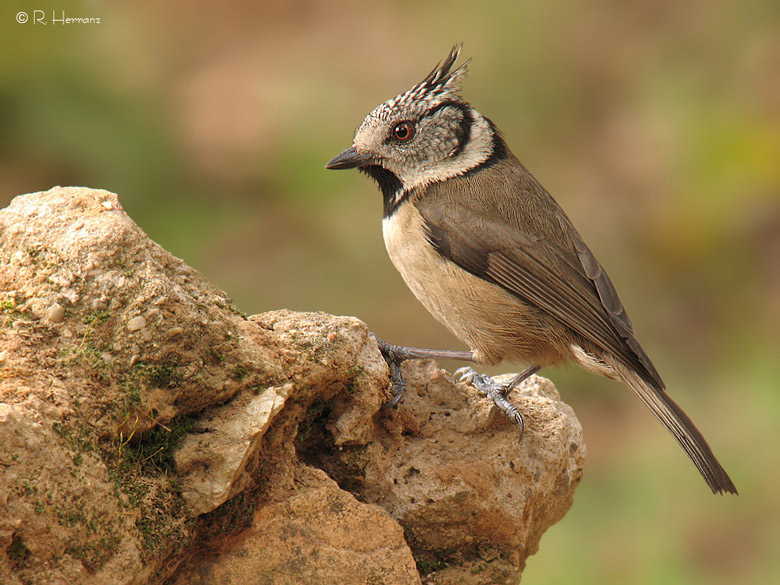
{"x":395,"y":355}
{"x":394,"y":361}
{"x":495,"y":391}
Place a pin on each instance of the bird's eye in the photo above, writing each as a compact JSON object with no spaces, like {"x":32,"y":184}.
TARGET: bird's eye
{"x":403,"y":131}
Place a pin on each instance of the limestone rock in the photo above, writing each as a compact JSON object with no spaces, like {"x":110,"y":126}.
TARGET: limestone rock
{"x":454,"y":473}
{"x":151,"y":433}
{"x":216,"y":451}
{"x":328,"y":537}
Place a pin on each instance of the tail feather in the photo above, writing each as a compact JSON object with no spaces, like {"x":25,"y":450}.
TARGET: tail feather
{"x":681,"y":427}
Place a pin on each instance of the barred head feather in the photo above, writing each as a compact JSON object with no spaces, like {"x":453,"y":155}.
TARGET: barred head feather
{"x":448,"y":136}
{"x":440,"y":84}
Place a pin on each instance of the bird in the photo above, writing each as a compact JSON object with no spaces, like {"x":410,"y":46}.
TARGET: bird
{"x":493,"y":257}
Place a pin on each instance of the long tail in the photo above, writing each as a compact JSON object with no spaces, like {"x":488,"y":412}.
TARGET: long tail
{"x":681,"y":427}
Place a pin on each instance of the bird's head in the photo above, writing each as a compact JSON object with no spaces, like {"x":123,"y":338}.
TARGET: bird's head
{"x":424,"y":135}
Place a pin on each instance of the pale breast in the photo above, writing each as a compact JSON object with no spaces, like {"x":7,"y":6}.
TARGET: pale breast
{"x":488,"y":319}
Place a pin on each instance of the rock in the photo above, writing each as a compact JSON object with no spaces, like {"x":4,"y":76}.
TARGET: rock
{"x":465,"y":482}
{"x":326,"y":536}
{"x":136,"y":324}
{"x":150,"y":433}
{"x":214,"y":454}
{"x":58,"y":523}
{"x":56,"y":313}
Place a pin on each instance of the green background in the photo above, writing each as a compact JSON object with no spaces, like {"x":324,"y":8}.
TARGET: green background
{"x":656,"y":125}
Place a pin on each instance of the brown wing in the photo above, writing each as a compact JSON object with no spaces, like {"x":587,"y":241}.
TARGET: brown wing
{"x":536,"y":255}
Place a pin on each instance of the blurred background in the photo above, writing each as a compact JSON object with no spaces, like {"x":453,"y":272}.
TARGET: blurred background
{"x":656,"y":125}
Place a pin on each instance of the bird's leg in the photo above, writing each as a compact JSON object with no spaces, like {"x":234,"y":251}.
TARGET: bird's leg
{"x":497,"y":392}
{"x":520,"y":378}
{"x":395,"y":355}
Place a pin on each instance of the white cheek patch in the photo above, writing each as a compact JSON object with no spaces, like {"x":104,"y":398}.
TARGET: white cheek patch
{"x":474,"y":153}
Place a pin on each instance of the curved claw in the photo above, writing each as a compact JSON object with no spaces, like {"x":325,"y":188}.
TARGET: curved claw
{"x":395,"y":355}
{"x":397,"y":396}
{"x":511,"y":411}
{"x":466,"y":374}
{"x":496,"y":392}
{"x":471,"y":376}
{"x":397,"y":378}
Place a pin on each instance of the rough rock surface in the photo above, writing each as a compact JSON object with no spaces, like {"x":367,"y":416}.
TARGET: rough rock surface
{"x":151,"y":433}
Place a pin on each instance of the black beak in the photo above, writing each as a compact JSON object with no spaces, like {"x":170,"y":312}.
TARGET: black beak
{"x":351,"y":159}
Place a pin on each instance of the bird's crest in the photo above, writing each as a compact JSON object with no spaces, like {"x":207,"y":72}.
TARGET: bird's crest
{"x":439,"y":85}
